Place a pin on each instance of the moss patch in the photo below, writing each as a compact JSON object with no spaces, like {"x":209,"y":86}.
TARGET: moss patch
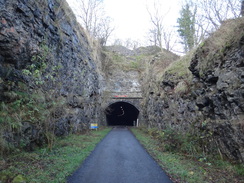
{"x":180,"y":67}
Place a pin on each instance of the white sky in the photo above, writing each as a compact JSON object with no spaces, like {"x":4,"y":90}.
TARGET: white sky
{"x":131,"y":19}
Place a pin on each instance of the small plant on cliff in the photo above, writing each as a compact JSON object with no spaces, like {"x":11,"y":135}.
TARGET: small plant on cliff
{"x":29,"y":104}
{"x":136,"y":65}
{"x":179,"y":68}
{"x":23,"y":107}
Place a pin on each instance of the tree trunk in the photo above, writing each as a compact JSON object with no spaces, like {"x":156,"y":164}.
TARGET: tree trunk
{"x":242,"y":8}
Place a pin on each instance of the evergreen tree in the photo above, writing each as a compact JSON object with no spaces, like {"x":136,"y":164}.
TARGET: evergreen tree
{"x":186,"y":27}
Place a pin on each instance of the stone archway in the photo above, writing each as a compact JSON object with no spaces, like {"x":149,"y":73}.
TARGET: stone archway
{"x":121,"y":114}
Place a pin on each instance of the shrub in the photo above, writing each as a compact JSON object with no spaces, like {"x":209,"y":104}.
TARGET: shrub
{"x":191,"y":144}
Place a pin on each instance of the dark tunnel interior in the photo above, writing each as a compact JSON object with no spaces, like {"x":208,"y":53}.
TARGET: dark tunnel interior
{"x":121,"y":114}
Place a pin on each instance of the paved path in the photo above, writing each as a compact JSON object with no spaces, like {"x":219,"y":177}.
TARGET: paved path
{"x":119,"y":158}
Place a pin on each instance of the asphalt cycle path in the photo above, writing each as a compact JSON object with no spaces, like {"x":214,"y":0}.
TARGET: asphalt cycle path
{"x":119,"y":158}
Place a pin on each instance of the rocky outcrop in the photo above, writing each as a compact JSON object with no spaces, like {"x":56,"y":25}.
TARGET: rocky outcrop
{"x":206,"y":100}
{"x":148,"y":50}
{"x":48,"y":73}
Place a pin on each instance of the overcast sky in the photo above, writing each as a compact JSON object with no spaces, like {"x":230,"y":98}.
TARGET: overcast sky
{"x":131,"y":19}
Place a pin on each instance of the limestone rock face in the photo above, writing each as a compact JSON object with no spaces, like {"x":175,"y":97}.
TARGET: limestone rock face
{"x":121,"y":81}
{"x":43,"y":48}
{"x":207,"y":101}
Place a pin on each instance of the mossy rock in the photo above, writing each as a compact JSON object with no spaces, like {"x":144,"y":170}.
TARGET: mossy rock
{"x":19,"y":179}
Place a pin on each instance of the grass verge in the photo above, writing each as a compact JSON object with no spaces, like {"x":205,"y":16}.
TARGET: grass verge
{"x":50,"y":166}
{"x":182,"y":168}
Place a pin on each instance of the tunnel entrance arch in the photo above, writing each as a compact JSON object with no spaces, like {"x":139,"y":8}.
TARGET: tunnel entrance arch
{"x":121,"y":114}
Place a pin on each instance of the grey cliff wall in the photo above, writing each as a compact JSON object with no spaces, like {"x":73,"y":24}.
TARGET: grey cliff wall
{"x":207,"y":100}
{"x":46,"y":60}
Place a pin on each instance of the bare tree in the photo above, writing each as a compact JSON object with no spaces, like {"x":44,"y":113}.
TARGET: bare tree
{"x":157,"y":23}
{"x":210,"y":14}
{"x":118,"y":42}
{"x":216,"y":11}
{"x":105,"y":30}
{"x":131,"y":44}
{"x":152,"y":37}
{"x":160,"y":34}
{"x":136,"y":44}
{"x":93,"y":18}
{"x":169,"y":38}
{"x":128,"y":43}
{"x":90,"y":13}
{"x":242,"y":8}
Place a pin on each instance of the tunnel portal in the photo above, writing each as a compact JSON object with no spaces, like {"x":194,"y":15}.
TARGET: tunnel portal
{"x":121,"y":114}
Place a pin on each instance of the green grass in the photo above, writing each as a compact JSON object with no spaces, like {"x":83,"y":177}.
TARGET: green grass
{"x":183,"y":168}
{"x":180,"y":67}
{"x":51,"y":166}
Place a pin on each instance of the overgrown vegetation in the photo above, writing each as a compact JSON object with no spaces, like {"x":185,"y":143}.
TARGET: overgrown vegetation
{"x":53,"y":166}
{"x":182,"y":157}
{"x":190,"y":144}
{"x":155,"y":69}
{"x":195,"y":141}
{"x":31,"y":104}
{"x":180,"y":67}
{"x":213,"y":50}
{"x":177,"y":70}
{"x":113,"y":60}
{"x":27,"y":111}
